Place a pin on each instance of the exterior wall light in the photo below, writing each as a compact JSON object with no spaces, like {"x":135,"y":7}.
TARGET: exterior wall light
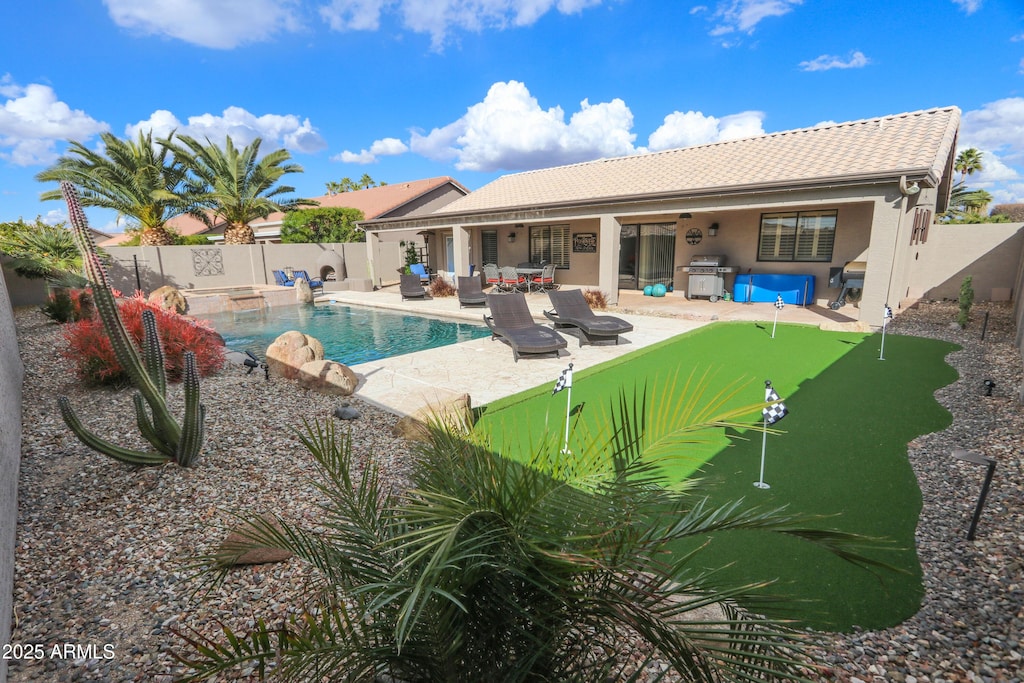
{"x":511,"y":237}
{"x":713,"y":230}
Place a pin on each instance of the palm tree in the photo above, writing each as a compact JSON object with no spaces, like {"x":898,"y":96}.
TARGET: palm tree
{"x":235,"y":185}
{"x":967,"y":162}
{"x":492,"y":570}
{"x":40,"y":250}
{"x":135,"y":178}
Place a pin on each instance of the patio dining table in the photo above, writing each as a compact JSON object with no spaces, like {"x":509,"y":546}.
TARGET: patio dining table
{"x":529,"y":274}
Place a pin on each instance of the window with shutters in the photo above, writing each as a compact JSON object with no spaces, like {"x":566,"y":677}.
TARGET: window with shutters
{"x":489,"y":247}
{"x":797,"y":236}
{"x":550,"y":243}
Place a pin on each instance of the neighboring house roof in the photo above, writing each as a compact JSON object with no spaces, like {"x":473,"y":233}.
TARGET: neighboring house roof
{"x":183,"y":225}
{"x":376,"y":202}
{"x":916,"y":144}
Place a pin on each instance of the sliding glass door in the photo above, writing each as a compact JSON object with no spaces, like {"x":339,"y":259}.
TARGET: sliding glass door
{"x":647,"y":254}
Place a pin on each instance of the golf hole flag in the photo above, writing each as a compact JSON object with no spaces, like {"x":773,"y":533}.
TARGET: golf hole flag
{"x":565,"y":382}
{"x":777,"y":410}
{"x":771,"y":414}
{"x":779,"y":303}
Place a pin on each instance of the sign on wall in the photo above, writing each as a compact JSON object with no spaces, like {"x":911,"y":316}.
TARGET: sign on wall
{"x":584,"y":242}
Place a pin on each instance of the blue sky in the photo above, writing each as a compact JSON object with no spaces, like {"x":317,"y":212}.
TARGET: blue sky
{"x":407,"y":89}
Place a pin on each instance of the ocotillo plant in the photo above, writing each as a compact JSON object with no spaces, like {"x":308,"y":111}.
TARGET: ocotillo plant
{"x":170,"y":441}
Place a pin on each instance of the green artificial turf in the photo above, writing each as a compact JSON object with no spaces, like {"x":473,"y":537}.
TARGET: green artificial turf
{"x":842,"y":452}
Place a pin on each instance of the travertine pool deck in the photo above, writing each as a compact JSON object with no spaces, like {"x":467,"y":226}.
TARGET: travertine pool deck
{"x":484,"y":368}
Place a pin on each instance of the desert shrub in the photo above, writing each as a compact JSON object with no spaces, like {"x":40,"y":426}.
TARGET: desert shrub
{"x":596,"y":299}
{"x":441,"y":287}
{"x":966,"y":299}
{"x":90,"y":350}
{"x":324,"y":224}
{"x":68,"y":305}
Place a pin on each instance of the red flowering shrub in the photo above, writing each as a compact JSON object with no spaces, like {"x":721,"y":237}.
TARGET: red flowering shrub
{"x":89,"y":348}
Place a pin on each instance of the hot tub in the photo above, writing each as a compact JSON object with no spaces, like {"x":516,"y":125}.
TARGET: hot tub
{"x":795,"y":289}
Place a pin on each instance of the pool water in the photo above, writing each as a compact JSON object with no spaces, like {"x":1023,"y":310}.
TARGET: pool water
{"x":350,"y":334}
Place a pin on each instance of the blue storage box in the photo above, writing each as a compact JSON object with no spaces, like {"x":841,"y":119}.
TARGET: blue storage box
{"x":765,"y":287}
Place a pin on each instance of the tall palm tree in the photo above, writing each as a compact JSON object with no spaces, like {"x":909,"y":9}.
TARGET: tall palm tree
{"x":135,"y":178}
{"x":492,"y":570}
{"x":235,"y":185}
{"x":968,"y":161}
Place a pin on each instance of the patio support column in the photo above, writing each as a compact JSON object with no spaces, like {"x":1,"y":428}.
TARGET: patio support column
{"x":460,"y":248}
{"x":608,"y":261}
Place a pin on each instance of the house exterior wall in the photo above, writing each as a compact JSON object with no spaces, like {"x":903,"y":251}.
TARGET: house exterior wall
{"x":11,"y":374}
{"x":428,"y":202}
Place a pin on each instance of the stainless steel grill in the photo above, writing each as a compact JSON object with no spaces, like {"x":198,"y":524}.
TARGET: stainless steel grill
{"x":707,"y":276}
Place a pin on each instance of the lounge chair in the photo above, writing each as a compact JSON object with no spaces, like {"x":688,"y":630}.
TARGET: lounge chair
{"x":411,"y":288}
{"x":282,"y":280}
{"x":470,"y":293}
{"x":572,"y":310}
{"x":421,"y":270}
{"x":511,"y":322}
{"x":314,"y":283}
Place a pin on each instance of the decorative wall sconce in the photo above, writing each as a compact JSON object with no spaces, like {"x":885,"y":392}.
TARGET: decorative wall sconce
{"x":713,"y":230}
{"x":511,"y":237}
{"x":684,"y":216}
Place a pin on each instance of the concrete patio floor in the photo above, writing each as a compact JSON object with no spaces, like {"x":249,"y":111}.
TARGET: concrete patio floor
{"x":484,"y":368}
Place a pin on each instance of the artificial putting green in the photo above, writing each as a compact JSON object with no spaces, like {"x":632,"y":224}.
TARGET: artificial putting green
{"x":842,"y":453}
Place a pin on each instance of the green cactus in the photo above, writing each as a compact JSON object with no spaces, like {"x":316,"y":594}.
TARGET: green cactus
{"x":170,"y":441}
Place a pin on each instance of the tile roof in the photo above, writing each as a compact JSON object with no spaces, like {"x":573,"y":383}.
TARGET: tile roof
{"x":375,"y":201}
{"x":916,"y":144}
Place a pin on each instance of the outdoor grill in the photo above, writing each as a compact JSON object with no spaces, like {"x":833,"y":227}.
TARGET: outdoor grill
{"x":849,"y":279}
{"x":707,"y":277}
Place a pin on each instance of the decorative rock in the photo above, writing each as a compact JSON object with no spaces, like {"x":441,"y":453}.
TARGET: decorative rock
{"x":303,"y":293}
{"x":169,"y":299}
{"x":257,"y":555}
{"x":290,"y":352}
{"x":345,"y":412}
{"x":329,"y":377}
{"x":456,"y":413}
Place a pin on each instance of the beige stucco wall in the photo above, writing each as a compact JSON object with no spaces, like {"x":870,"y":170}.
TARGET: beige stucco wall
{"x":989,"y":252}
{"x":11,"y":373}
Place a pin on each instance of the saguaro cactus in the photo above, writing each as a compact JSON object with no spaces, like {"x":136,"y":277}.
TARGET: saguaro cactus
{"x":170,"y":441}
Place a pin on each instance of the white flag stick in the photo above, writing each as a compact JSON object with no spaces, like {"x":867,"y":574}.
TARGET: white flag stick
{"x":764,"y":440}
{"x":881,"y":351}
{"x":568,"y":410}
{"x":776,"y":321}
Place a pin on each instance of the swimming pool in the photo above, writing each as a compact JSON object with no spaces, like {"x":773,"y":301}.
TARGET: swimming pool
{"x":350,"y":334}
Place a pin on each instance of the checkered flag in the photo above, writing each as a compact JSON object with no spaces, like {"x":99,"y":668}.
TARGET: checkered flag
{"x":887,"y":313}
{"x":564,"y":380}
{"x":777,"y":410}
{"x":779,"y":303}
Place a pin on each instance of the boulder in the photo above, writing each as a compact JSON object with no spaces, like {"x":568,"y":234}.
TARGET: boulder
{"x":228,"y":552}
{"x":169,"y":299}
{"x":456,"y":413}
{"x":303,"y":294}
{"x":328,"y":377}
{"x":346,"y":412}
{"x":290,"y":351}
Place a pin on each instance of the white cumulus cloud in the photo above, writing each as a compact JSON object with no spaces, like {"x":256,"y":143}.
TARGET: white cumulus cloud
{"x":242,"y":126}
{"x":385,"y":147}
{"x":685,"y":129}
{"x":743,"y":16}
{"x":439,"y":18}
{"x":825,"y":62}
{"x":997,"y":130}
{"x":968,"y":6}
{"x":509,"y":130}
{"x":218,"y":24}
{"x":32,"y":120}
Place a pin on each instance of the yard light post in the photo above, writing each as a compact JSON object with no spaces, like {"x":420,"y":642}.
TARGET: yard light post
{"x":990,"y":464}
{"x":989,"y":386}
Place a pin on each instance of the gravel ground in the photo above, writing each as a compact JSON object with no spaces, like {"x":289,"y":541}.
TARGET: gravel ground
{"x":103,"y":549}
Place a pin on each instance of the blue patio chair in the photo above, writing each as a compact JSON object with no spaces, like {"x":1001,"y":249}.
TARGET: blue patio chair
{"x":421,"y":270}
{"x":314,"y":283}
{"x":282,"y":280}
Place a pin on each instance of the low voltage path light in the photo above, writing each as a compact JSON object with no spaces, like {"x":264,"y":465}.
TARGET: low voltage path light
{"x":990,"y":464}
{"x":989,"y":386}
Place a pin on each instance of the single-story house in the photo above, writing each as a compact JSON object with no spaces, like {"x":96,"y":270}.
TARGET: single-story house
{"x":804,"y":202}
{"x":411,"y":198}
